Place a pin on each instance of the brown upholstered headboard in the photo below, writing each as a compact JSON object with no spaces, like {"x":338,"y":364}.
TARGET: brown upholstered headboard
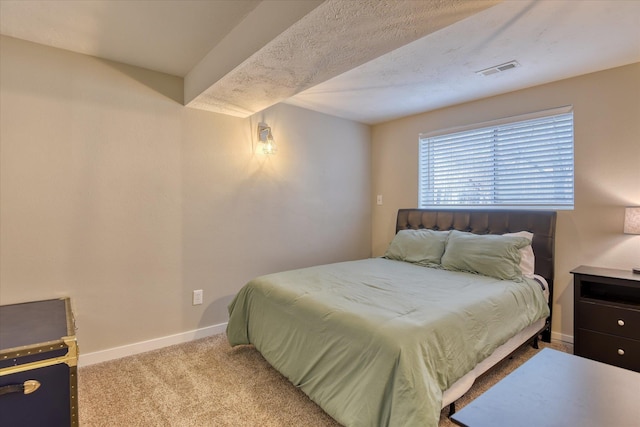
{"x":541,"y":223}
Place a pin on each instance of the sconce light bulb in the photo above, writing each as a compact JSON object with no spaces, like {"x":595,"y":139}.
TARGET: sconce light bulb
{"x":269,"y":146}
{"x":266,"y":137}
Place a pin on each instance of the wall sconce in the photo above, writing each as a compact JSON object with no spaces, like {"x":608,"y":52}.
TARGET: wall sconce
{"x":632,"y":225}
{"x":266,"y":137}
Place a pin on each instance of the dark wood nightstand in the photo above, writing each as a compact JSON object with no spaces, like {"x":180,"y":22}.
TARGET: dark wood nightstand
{"x":606,"y":320}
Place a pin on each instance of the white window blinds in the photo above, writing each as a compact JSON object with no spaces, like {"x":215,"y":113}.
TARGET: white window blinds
{"x":522,"y":163}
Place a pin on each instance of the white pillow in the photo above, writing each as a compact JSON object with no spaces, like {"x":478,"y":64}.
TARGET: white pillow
{"x":527,"y":258}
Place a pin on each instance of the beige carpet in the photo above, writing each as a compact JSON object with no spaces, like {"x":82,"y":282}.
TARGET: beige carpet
{"x":207,"y":383}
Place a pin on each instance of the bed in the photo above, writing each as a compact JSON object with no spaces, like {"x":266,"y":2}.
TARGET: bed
{"x":390,"y":341}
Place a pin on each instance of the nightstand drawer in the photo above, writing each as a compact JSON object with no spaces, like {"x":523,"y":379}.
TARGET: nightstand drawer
{"x":610,"y":349}
{"x":624,"y":322}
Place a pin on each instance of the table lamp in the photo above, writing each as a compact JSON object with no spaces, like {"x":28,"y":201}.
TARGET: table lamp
{"x":632,"y":225}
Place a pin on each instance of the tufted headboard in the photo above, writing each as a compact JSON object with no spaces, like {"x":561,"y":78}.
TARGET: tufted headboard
{"x":541,"y":223}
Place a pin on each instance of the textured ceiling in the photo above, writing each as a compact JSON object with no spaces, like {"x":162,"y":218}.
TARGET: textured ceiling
{"x":333,"y":38}
{"x":366,"y":60}
{"x":551,"y":40}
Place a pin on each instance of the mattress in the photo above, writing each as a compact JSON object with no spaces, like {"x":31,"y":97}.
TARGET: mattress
{"x":461,"y":386}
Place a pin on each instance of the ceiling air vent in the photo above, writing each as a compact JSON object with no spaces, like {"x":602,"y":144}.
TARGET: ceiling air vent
{"x":498,"y":68}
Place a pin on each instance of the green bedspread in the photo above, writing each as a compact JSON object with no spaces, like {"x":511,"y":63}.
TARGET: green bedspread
{"x":375,"y":342}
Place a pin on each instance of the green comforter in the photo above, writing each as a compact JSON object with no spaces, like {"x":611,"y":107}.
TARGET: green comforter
{"x":375,"y":342}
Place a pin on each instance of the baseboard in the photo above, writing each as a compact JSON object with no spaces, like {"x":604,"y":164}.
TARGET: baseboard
{"x":141,"y":347}
{"x":156,"y":343}
{"x":562,"y":337}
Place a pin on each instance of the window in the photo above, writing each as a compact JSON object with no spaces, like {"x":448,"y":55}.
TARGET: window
{"x":522,"y":162}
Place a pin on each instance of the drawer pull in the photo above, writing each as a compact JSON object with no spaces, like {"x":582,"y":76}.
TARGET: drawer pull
{"x":621,"y":352}
{"x":27,"y":387}
{"x":621,"y":322}
{"x":30,"y":386}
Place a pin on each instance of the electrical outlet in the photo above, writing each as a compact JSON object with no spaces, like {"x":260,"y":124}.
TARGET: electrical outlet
{"x":197,"y":297}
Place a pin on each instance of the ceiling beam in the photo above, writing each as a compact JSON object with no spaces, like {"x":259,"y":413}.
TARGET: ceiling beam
{"x":332,"y":38}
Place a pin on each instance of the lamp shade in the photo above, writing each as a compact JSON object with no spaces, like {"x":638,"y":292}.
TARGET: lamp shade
{"x":632,"y":220}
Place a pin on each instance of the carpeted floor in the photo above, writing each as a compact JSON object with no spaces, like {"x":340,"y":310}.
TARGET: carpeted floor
{"x":207,"y":383}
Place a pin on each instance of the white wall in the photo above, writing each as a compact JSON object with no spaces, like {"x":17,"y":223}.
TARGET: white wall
{"x":607,"y":170}
{"x":113,"y":193}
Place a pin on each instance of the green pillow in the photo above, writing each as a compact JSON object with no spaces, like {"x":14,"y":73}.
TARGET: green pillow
{"x":424,"y":247}
{"x":488,"y":254}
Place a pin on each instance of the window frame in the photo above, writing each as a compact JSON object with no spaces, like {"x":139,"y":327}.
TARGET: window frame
{"x":486,"y":127}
